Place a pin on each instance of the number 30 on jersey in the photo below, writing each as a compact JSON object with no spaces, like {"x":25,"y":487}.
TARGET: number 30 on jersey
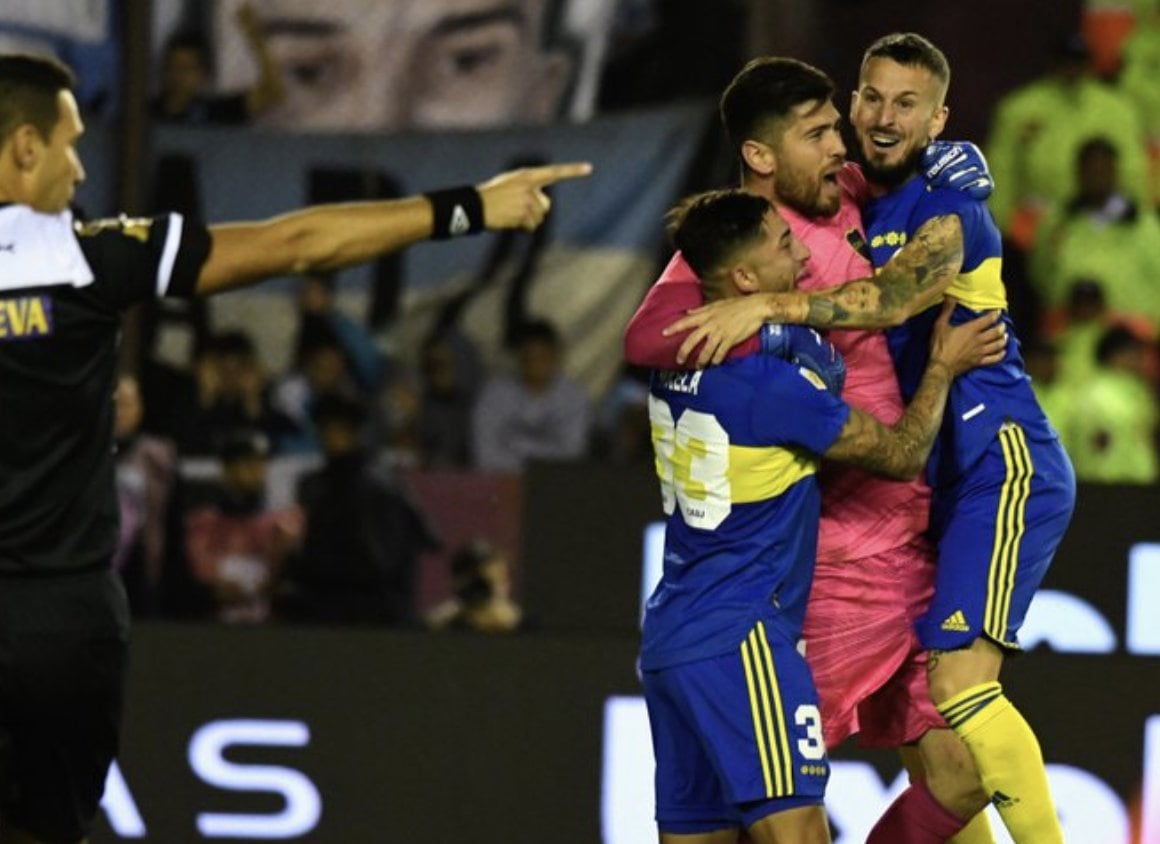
{"x":692,"y":459}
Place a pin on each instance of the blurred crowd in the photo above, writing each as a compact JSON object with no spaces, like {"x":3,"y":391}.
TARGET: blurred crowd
{"x":253,"y":496}
{"x":1076,"y":158}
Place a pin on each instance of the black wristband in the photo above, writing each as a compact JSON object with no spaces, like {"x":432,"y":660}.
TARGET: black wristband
{"x":456,"y":211}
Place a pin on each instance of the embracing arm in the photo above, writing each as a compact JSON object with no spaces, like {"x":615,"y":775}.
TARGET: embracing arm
{"x":899,"y":451}
{"x":915,"y":278}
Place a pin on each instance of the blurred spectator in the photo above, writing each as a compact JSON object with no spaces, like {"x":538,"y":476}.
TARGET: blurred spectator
{"x":1101,"y":234}
{"x":186,"y":75}
{"x":364,"y":534}
{"x":481,"y":599}
{"x":227,"y":391}
{"x":1056,"y":397}
{"x":1114,"y":427}
{"x":1138,"y":79}
{"x":333,"y":354}
{"x":236,"y":545}
{"x":146,"y":473}
{"x":451,"y":373}
{"x":623,"y":433}
{"x":380,"y":65}
{"x":1085,"y":320}
{"x":539,"y":414}
{"x":1077,"y":329}
{"x":1037,"y":131}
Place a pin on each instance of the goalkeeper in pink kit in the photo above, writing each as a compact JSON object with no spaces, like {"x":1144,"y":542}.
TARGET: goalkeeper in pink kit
{"x":875,"y":569}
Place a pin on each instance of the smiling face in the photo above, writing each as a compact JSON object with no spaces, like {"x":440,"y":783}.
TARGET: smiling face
{"x":775,"y":262}
{"x":896,"y":111}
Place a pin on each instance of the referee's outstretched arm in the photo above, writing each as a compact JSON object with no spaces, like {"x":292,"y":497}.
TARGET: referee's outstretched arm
{"x":322,"y":238}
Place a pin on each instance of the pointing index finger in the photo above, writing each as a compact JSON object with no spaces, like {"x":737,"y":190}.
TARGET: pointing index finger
{"x":548,"y":174}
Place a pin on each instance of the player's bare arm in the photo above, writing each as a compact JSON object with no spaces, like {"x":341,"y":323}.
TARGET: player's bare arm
{"x":913,"y":280}
{"x":900,"y":451}
{"x":323,"y":238}
{"x":910,"y":282}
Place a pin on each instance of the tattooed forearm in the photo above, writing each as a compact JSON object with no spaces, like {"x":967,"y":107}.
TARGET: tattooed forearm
{"x":899,"y":451}
{"x":911,"y":281}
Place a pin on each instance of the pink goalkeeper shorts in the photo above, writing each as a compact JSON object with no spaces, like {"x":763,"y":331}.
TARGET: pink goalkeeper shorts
{"x":868,"y":665}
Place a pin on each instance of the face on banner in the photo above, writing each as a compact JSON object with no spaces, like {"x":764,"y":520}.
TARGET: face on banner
{"x":397,"y":64}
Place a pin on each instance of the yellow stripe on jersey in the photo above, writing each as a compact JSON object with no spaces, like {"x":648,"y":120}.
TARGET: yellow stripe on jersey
{"x":758,"y":473}
{"x":982,"y":288}
{"x":1010,"y":524}
{"x":769,"y":726}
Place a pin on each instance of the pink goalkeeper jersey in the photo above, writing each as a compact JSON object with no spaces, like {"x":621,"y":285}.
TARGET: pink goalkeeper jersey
{"x":862,"y":514}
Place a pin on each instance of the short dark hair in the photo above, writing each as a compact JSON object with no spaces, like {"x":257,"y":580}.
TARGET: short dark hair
{"x":1094,"y":146}
{"x":710,"y":228}
{"x":191,"y":39}
{"x":910,"y":50}
{"x":29,"y":86}
{"x":765,"y":92}
{"x":1115,"y":340}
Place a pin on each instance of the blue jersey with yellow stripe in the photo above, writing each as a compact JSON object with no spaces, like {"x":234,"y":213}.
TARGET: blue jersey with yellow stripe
{"x":737,"y":450}
{"x":980,"y":400}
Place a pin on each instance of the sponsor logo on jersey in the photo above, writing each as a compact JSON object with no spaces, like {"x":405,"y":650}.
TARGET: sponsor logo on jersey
{"x":888,"y":239}
{"x":956,"y":622}
{"x":25,"y":318}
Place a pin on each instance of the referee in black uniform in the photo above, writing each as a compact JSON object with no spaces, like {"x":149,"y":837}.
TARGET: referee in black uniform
{"x":63,"y":286}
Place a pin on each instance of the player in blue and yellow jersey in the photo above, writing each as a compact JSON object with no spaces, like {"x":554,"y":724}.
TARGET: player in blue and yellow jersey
{"x":732,"y":706}
{"x":1003,"y":487}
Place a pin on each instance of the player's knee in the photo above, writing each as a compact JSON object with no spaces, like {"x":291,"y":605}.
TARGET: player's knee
{"x":957,"y":787}
{"x":951,"y":773}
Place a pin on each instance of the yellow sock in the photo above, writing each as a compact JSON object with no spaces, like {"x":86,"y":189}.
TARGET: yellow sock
{"x":977,"y":831}
{"x":1009,"y":761}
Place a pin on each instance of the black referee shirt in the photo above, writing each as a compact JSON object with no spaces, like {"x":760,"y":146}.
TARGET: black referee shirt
{"x":63,"y":288}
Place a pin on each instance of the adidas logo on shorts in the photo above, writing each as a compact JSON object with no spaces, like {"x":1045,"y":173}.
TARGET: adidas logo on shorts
{"x":956,"y":622}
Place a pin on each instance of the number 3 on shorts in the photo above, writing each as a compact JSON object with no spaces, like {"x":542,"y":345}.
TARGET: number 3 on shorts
{"x":693,"y":464}
{"x":811,"y":747}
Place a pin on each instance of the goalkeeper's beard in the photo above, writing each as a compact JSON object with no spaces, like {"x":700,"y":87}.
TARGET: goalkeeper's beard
{"x":892,"y":176}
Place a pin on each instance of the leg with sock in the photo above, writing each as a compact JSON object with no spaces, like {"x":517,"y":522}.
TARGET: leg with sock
{"x":1008,"y":757}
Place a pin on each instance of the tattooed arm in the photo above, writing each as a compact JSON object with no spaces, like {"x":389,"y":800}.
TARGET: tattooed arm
{"x":915,"y":278}
{"x":900,"y":451}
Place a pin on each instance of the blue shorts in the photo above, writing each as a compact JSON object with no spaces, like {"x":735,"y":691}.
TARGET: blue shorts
{"x":736,"y":737}
{"x":997,"y":530}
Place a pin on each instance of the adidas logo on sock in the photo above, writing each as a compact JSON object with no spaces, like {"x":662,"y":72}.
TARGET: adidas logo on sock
{"x":1002,"y":801}
{"x":956,"y":622}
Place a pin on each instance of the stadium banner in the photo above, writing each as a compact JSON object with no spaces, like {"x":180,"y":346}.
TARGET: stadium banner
{"x":311,"y":734}
{"x":585,"y":270}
